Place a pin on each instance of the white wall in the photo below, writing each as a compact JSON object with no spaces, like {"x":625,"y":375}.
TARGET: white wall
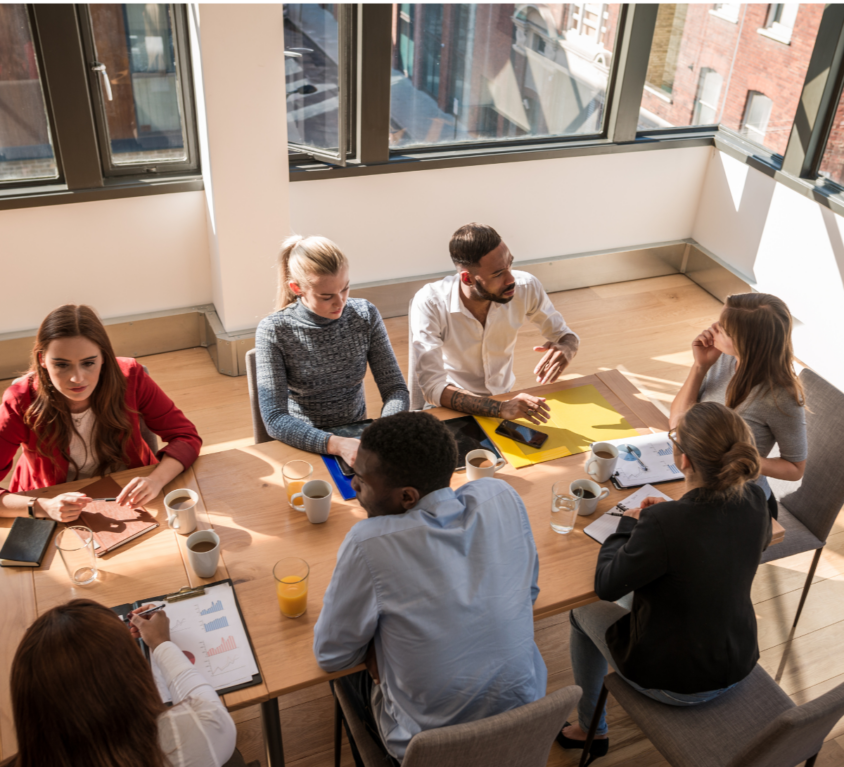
{"x":398,"y":225}
{"x":126,"y":256}
{"x":788,"y":244}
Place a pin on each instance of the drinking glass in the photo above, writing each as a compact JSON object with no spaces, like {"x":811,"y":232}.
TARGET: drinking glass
{"x":76,"y":546}
{"x":291,"y":586}
{"x":564,"y":507}
{"x":295,"y":474}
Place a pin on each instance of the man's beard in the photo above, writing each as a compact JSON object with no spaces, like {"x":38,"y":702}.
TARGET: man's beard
{"x":498,"y":298}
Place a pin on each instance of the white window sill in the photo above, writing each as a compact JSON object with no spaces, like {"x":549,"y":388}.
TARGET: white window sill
{"x":659,"y":93}
{"x":780,"y":36}
{"x":725,"y":16}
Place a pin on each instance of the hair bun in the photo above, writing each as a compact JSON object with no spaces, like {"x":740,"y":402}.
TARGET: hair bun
{"x":739,"y":465}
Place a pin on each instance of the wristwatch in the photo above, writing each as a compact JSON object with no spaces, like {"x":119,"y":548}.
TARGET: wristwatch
{"x":30,"y":507}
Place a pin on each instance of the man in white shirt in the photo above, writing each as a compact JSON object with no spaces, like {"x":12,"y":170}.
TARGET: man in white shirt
{"x":464,"y":327}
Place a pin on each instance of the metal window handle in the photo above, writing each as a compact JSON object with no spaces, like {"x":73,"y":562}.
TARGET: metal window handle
{"x":101,"y":68}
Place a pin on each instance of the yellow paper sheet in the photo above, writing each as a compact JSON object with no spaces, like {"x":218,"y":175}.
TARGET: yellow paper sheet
{"x":579,"y":417}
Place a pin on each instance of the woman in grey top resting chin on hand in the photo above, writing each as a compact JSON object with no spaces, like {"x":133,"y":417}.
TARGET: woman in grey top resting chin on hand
{"x":745,"y":361}
{"x":313,"y":350}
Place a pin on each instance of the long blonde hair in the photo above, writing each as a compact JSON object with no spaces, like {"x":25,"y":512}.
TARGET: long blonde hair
{"x":304,"y":257}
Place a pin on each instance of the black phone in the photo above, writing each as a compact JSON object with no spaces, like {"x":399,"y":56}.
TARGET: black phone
{"x":345,"y":469}
{"x":523,"y":434}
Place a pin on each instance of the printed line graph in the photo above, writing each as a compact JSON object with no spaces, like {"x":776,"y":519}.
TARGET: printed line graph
{"x":220,"y":623}
{"x":215,"y":608}
{"x":225,"y":646}
{"x":224,"y":666}
{"x":179,"y":625}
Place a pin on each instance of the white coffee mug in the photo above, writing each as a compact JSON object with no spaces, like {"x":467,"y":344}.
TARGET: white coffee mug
{"x":316,"y":498}
{"x":182,"y":520}
{"x":476,"y":472}
{"x":602,"y":468}
{"x":588,"y":505}
{"x":204,"y":563}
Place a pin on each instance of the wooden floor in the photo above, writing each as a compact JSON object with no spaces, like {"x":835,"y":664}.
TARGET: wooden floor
{"x":643,"y":328}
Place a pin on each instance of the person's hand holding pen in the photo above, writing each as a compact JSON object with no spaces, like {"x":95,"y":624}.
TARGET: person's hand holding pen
{"x":153,"y":628}
{"x":649,"y":501}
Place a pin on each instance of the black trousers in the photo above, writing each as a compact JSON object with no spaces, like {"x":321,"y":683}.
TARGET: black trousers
{"x":359,"y":688}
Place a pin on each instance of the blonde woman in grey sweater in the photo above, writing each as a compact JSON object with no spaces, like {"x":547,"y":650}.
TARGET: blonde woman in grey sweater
{"x":312,"y":352}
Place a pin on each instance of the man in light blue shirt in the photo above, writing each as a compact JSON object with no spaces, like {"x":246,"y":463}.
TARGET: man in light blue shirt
{"x":441,"y":584}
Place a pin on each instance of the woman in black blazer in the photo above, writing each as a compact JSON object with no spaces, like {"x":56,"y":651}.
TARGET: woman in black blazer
{"x":691,"y":633}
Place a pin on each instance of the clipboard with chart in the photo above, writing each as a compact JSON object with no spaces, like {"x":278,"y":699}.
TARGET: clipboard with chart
{"x":206,"y":624}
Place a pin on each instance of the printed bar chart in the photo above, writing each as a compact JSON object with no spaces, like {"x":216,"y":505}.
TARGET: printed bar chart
{"x":220,"y":623}
{"x":225,"y":646}
{"x":215,"y":608}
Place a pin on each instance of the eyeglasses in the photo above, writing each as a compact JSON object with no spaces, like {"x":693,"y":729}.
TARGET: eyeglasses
{"x":671,"y":434}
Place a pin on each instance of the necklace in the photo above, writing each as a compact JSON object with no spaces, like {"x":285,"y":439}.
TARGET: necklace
{"x":78,"y":419}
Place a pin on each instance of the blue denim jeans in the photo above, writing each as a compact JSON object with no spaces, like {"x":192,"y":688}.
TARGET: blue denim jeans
{"x":589,"y":656}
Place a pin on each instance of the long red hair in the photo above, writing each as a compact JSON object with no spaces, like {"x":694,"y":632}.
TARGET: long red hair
{"x":48,"y":415}
{"x":83,"y":693}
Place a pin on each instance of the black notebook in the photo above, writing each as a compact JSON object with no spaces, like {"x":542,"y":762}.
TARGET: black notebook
{"x":27,"y":542}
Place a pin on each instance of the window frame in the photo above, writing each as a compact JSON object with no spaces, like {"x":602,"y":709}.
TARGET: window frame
{"x":64,"y":70}
{"x":185,"y":95}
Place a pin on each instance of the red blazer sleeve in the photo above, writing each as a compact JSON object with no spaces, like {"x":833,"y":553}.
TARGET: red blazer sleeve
{"x":161,"y":415}
{"x":13,"y":430}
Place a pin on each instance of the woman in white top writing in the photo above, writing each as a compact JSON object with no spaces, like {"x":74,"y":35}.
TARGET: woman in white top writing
{"x":83,"y":693}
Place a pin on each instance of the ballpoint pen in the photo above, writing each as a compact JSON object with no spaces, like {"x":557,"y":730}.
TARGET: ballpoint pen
{"x":629,"y":450}
{"x":146,"y":612}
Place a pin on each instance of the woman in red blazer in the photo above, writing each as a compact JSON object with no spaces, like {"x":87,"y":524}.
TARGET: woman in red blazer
{"x":76,"y":415}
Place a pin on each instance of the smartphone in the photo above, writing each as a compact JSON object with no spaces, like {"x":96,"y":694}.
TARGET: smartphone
{"x":345,"y":469}
{"x":523,"y":434}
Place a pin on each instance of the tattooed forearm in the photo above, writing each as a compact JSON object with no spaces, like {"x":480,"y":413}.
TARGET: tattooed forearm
{"x":465,"y":402}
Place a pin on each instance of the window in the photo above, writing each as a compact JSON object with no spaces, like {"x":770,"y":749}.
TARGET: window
{"x":832,"y":162}
{"x":780,"y":21}
{"x":26,"y":144}
{"x":137,"y":86}
{"x":728,"y":11}
{"x":317,"y":77}
{"x":708,"y":97}
{"x":701,"y":69}
{"x":756,"y":116}
{"x":482,"y":72}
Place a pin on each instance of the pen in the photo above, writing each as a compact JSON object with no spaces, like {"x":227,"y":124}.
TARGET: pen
{"x":632,"y":452}
{"x":616,"y":513}
{"x":147,"y":612}
{"x":104,"y":499}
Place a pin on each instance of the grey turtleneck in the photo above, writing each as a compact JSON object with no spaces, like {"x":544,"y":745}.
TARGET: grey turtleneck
{"x":311,"y":370}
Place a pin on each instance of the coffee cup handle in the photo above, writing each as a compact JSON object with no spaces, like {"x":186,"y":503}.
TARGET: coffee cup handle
{"x":589,"y":467}
{"x":295,"y":505}
{"x":499,"y":462}
{"x":605,"y":491}
{"x":173,"y":521}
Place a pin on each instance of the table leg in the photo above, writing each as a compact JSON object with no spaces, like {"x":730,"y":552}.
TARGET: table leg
{"x":271,"y":725}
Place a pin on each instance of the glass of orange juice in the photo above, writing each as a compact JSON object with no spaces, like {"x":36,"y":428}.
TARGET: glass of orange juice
{"x":291,"y":586}
{"x":295,"y":474}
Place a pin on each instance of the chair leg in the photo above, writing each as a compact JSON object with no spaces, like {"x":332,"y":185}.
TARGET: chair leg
{"x":338,"y":731}
{"x":593,"y":726}
{"x":811,"y":761}
{"x":807,"y":585}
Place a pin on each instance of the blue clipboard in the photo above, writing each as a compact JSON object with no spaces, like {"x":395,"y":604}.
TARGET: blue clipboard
{"x":342,"y":482}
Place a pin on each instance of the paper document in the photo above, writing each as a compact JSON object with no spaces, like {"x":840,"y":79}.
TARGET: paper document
{"x":605,"y":525}
{"x":647,"y":458}
{"x":209,"y":631}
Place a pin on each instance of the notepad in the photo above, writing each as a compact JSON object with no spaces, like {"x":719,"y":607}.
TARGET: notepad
{"x":27,"y":541}
{"x":209,"y":630}
{"x":605,"y":525}
{"x":112,"y":524}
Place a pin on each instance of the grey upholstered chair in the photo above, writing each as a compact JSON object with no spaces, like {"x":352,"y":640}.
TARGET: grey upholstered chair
{"x":258,"y":428}
{"x":518,"y":738}
{"x":417,"y":398}
{"x":753,"y":725}
{"x":149,"y":436}
{"x":807,"y":509}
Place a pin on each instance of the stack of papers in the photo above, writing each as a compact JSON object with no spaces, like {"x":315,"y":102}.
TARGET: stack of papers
{"x":603,"y":527}
{"x":644,"y":459}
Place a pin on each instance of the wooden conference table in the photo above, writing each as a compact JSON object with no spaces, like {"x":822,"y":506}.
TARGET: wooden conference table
{"x":242,"y":497}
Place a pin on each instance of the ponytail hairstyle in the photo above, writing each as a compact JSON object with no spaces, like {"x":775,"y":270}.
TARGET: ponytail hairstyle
{"x":759,"y":326}
{"x":720,"y":447}
{"x":49,"y":416}
{"x":302,"y":258}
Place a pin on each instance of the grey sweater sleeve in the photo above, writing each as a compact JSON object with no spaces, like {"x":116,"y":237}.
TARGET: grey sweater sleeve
{"x":385,"y":368}
{"x":273,"y":393}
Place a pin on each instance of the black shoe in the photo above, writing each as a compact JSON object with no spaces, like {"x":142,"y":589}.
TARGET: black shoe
{"x":598,"y":747}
